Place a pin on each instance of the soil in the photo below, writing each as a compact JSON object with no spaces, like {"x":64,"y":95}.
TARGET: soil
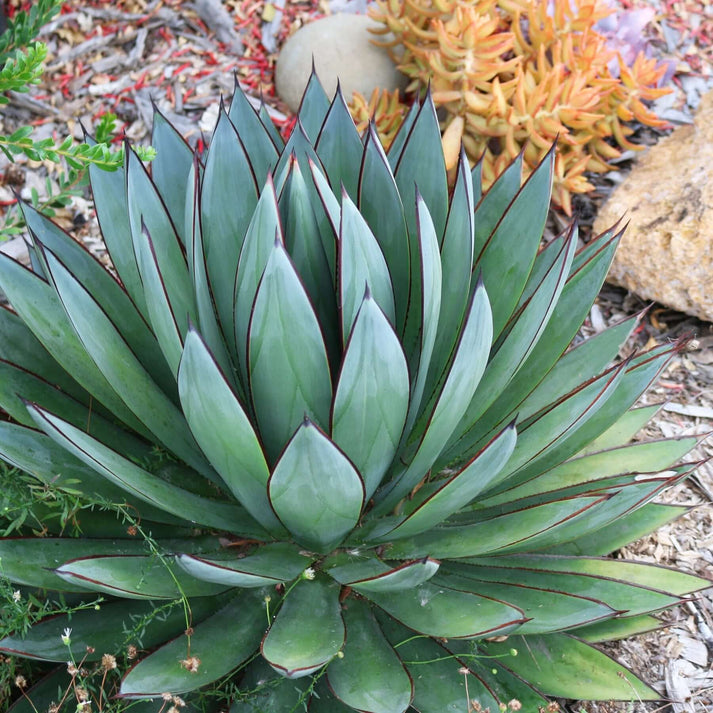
{"x":119,"y":56}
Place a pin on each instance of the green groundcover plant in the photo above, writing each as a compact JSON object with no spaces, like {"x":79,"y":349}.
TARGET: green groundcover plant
{"x":355,"y":464}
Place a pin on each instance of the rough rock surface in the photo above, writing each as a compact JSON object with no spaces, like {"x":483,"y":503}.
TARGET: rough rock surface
{"x":342,"y":48}
{"x":667,"y":251}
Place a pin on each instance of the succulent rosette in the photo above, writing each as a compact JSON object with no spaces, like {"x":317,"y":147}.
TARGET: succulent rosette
{"x":357,"y":463}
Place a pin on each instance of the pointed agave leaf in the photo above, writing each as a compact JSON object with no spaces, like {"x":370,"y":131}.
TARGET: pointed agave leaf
{"x":135,"y":577}
{"x":435,"y":502}
{"x":117,"y":362}
{"x":112,"y":207}
{"x":615,"y":629}
{"x":146,"y":208}
{"x":313,"y":107}
{"x":268,"y":565}
{"x":629,"y":590}
{"x":398,"y":143}
{"x":170,"y":168}
{"x":468,"y":364}
{"x":665,"y":579}
{"x":101,"y":630}
{"x":269,"y":691}
{"x":627,"y":529}
{"x":267,"y":122}
{"x":616,"y":503}
{"x":546,"y":609}
{"x":560,"y":665}
{"x":144,"y":485}
{"x":542,"y":435}
{"x":229,"y":194}
{"x":476,"y":176}
{"x":299,"y":149}
{"x":439,"y":611}
{"x":370,"y":677}
{"x":264,"y":229}
{"x":456,"y":259}
{"x":491,"y":207}
{"x":223,"y":431}
{"x":315,"y":490}
{"x":380,"y":205}
{"x":507,"y":256}
{"x":207,"y":316}
{"x":305,"y":244}
{"x":371,"y":397}
{"x":256,"y":139}
{"x":218,"y":644}
{"x":488,"y":536}
{"x":361,"y":264}
{"x":38,"y":455}
{"x":440,"y":682}
{"x":18,"y":385}
{"x":164,"y":321}
{"x":297,"y":645}
{"x":424,"y":307}
{"x":39,"y":306}
{"x":32,"y":560}
{"x":18,"y":345}
{"x":289,"y":373}
{"x":374,"y":575}
{"x":582,"y":286}
{"x":622,"y":430}
{"x":647,"y":457}
{"x":578,"y":365}
{"x":339,"y":147}
{"x":331,"y":205}
{"x":497,"y":680}
{"x":522,"y":335}
{"x":100,"y":283}
{"x":422,"y":156}
{"x":642,"y":371}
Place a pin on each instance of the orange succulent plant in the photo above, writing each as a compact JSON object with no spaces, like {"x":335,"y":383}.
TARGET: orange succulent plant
{"x":510,"y":75}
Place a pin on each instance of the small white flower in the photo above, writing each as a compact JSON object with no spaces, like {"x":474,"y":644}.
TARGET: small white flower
{"x":66,"y":640}
{"x":16,"y":596}
{"x":309,"y":573}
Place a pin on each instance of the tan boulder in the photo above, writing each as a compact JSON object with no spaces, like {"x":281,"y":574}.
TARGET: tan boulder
{"x":342,"y":48}
{"x":666,"y":253}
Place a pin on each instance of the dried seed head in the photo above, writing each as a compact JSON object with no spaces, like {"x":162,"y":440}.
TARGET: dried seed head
{"x":108,"y":662}
{"x":191,"y":664}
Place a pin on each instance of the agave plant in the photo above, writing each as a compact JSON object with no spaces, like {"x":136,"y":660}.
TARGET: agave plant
{"x":336,"y":405}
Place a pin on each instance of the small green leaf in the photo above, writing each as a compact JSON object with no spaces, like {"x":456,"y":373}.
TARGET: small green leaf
{"x":218,"y":644}
{"x":135,"y":577}
{"x":339,"y":147}
{"x":560,"y":665}
{"x":380,"y":205}
{"x":373,"y":575}
{"x":439,"y":611}
{"x":315,"y":490}
{"x":308,"y":631}
{"x":313,"y":107}
{"x":370,"y":677}
{"x":170,"y":169}
{"x":269,"y":564}
{"x":371,"y":398}
{"x":289,"y":373}
{"x":225,"y":213}
{"x":257,"y":140}
{"x":219,"y":423}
